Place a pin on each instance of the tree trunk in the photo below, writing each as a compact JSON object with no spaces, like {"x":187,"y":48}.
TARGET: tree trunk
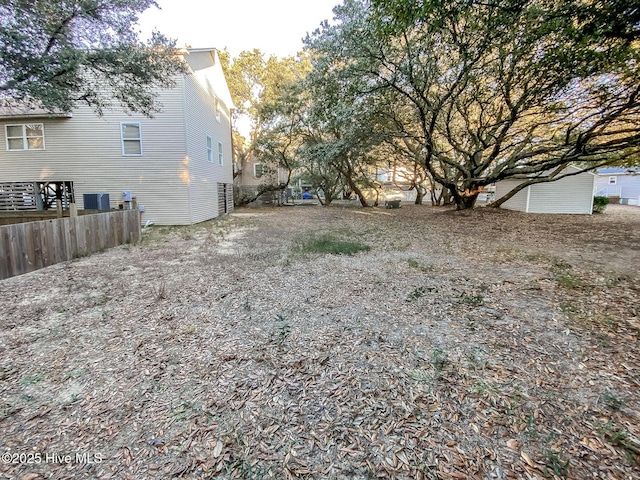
{"x":419,"y":196}
{"x":464,"y":200}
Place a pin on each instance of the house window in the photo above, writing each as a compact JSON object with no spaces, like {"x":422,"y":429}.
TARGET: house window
{"x":613,"y":180}
{"x":218,"y":110}
{"x":131,"y":138}
{"x":25,"y":137}
{"x":209,"y":149}
{"x":220,"y":156}
{"x":257,"y":170}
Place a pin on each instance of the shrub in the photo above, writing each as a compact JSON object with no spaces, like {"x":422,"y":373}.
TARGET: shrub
{"x":599,"y":204}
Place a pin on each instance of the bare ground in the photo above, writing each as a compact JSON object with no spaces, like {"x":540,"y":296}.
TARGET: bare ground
{"x":484,"y":345}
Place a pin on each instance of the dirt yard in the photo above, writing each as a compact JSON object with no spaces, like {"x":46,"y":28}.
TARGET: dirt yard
{"x":479,"y":345}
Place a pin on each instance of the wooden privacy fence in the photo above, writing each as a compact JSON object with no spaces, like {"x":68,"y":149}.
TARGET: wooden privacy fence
{"x":26,"y":247}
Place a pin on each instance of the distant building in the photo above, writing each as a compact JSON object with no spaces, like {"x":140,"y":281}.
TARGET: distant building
{"x":620,"y":184}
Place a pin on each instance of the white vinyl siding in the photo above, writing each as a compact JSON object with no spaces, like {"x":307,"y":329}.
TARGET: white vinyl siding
{"x":209,"y":149}
{"x":173,"y":180}
{"x":86,"y":149}
{"x":25,"y":136}
{"x":201,"y":119}
{"x":570,"y":195}
{"x":518,"y":201}
{"x":131,"y":138}
{"x":573,"y":195}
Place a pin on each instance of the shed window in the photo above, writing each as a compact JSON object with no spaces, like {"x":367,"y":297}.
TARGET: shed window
{"x":25,"y":137}
{"x":209,"y":149}
{"x":613,"y":180}
{"x":131,"y":135}
{"x":220,"y":155}
{"x":257,"y":170}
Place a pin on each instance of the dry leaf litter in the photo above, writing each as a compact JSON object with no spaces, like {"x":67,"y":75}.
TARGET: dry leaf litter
{"x":462,"y":345}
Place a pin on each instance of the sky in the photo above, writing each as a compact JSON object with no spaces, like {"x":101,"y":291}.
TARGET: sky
{"x":275,"y":27}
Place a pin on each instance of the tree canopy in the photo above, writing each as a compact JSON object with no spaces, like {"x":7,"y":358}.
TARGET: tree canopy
{"x":59,"y":53}
{"x":478,"y":91}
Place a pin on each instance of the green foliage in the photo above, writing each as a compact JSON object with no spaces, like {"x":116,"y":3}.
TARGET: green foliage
{"x":439,"y":360}
{"x":478,"y":92}
{"x":416,"y":293}
{"x":426,"y":268}
{"x":328,"y":244}
{"x":57,"y":54}
{"x":266,"y":92}
{"x":555,"y":466}
{"x":473,"y":300}
{"x":283,"y":329}
{"x":613,"y":400}
{"x":564,"y":276}
{"x":600,"y":204}
{"x":31,"y":379}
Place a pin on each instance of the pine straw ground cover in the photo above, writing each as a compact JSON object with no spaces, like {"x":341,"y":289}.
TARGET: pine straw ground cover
{"x":481,"y":345}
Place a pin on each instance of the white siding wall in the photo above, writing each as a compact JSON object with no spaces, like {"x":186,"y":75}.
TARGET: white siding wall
{"x":518,"y":201}
{"x":200,"y":118}
{"x":567,"y":195}
{"x":86,"y":149}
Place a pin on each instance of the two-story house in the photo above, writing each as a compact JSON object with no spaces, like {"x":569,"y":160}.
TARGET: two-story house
{"x":177,"y":165}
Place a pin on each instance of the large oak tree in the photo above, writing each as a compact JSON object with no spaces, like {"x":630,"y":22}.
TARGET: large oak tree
{"x":56,"y":54}
{"x":480,"y":91}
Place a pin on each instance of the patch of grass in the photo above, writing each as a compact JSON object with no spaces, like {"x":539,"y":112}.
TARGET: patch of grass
{"x":531,"y":429}
{"x":439,"y":360}
{"x":329,"y":244}
{"x":555,"y":466}
{"x":283,"y":329}
{"x":612,"y":400}
{"x":562,"y":273}
{"x":570,"y":310}
{"x":620,"y":438}
{"x":185,"y":411}
{"x":536,"y":257}
{"x":419,"y":292}
{"x":567,"y":280}
{"x":249,"y":471}
{"x":416,"y":293}
{"x":31,"y":379}
{"x":420,"y":375}
{"x":473,"y":300}
{"x":73,"y":374}
{"x":483,"y":387}
{"x":429,"y":267}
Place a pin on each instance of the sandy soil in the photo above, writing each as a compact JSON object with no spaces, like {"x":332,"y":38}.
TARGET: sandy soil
{"x":484,"y":345}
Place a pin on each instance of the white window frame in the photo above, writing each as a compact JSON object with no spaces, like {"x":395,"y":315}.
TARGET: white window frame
{"x":255,"y":170}
{"x":23,"y":137}
{"x":209,"y":149}
{"x":220,"y":154}
{"x":613,"y":180}
{"x":139,"y":139}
